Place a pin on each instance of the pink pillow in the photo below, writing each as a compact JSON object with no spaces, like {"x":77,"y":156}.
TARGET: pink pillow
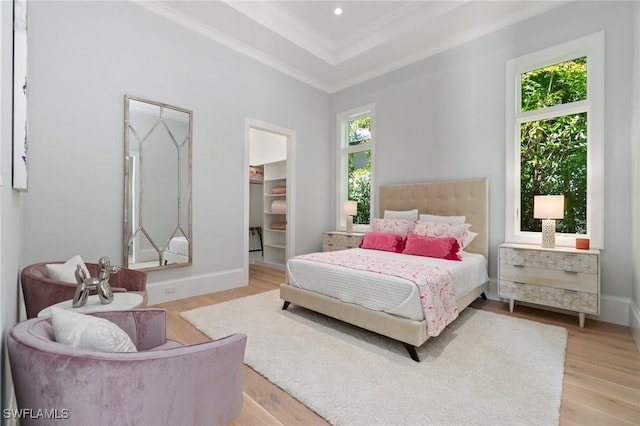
{"x":439,"y":247}
{"x":382,"y":241}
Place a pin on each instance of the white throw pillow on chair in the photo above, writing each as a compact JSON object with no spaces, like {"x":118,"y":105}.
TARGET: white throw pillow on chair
{"x":66,"y":272}
{"x":89,"y":332}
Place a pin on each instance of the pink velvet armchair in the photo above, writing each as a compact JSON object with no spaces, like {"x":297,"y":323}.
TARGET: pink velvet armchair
{"x":40,"y":291}
{"x":164,"y":383}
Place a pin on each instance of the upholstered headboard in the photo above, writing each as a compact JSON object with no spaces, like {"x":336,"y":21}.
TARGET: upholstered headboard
{"x":468,"y":198}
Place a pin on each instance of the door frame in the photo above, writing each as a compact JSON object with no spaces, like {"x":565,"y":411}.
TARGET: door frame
{"x":290,"y":135}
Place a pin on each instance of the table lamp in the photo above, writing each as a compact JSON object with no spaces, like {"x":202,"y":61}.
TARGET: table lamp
{"x":350,"y":209}
{"x":548,"y":208}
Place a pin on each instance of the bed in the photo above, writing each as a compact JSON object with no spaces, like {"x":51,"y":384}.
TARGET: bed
{"x":467,"y":198}
{"x":177,"y":251}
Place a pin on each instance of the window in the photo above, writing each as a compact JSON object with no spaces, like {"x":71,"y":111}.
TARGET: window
{"x":554,"y":145}
{"x":355,"y":165}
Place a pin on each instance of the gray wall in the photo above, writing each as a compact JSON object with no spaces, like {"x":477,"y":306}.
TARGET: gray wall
{"x":444,"y":118}
{"x":83,"y":58}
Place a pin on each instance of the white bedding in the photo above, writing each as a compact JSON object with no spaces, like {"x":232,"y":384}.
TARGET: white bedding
{"x":179,"y":245}
{"x":380,"y":292}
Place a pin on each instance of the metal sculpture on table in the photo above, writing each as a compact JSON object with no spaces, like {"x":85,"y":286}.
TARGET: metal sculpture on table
{"x":100,"y":283}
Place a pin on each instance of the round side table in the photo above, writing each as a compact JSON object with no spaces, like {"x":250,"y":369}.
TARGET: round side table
{"x":121,"y":302}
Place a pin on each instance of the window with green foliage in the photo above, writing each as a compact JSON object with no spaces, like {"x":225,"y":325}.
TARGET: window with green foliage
{"x":555,"y":105}
{"x":553,"y":151}
{"x":355,"y":171}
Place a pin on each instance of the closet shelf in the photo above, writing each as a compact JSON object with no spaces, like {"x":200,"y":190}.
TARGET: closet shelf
{"x":277,"y":246}
{"x":275,"y":240}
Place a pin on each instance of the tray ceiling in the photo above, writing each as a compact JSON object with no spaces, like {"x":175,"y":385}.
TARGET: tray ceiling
{"x":307,"y":41}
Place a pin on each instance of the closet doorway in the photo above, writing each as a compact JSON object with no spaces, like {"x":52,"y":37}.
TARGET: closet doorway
{"x":269,"y":201}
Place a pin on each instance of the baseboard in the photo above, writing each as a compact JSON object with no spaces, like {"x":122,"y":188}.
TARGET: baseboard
{"x":634,"y":323}
{"x":166,"y":291}
{"x":615,"y":310}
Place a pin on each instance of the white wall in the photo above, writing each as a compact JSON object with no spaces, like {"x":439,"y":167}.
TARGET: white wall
{"x":84,"y":57}
{"x":444,"y":118}
{"x":11,"y":209}
{"x":266,"y":147}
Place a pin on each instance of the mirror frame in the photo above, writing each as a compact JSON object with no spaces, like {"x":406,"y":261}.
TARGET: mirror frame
{"x":128,"y":234}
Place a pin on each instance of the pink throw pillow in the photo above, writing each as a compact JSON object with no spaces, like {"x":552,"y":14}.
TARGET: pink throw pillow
{"x":382,"y":241}
{"x":439,"y":247}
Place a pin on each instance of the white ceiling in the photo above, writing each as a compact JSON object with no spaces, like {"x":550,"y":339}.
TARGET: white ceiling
{"x":305,"y":40}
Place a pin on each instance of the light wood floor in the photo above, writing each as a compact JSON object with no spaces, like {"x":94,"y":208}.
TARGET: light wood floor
{"x":601,"y":379}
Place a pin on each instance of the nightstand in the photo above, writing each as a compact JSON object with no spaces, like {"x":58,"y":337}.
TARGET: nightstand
{"x":560,"y":277}
{"x":338,"y":240}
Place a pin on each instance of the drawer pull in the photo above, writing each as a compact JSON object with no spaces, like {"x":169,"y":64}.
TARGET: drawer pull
{"x":570,"y":272}
{"x":570,"y":291}
{"x":518,"y":266}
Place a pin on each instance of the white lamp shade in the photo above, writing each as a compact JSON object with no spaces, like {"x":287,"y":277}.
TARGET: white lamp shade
{"x":350,"y":208}
{"x":548,"y":206}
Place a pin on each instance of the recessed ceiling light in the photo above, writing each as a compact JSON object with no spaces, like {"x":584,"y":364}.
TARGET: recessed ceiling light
{"x":337,"y":11}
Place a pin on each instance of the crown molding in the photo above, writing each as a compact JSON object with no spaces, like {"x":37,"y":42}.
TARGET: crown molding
{"x":198,"y":27}
{"x":280,"y":21}
{"x":362,"y":41}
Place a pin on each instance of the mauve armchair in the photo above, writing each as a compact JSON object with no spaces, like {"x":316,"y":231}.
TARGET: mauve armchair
{"x":40,"y":291}
{"x":164,"y":383}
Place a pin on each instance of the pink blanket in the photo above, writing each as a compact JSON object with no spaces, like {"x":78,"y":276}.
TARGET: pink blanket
{"x":437,"y":292}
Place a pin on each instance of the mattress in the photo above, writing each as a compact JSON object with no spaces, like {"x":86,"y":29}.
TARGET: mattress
{"x":179,"y":245}
{"x":390,"y":294}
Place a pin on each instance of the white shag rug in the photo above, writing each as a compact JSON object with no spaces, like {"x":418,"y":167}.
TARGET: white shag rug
{"x":483,"y":369}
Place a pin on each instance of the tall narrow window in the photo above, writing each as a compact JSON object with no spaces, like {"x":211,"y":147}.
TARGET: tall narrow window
{"x":554,"y":139}
{"x":553,"y":151}
{"x":355,"y":172}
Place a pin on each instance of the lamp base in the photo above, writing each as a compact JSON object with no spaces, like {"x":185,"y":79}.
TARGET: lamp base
{"x":549,"y":233}
{"x":349,"y":224}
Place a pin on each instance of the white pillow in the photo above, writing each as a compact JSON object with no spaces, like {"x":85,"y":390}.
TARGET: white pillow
{"x":89,"y":332}
{"x":66,"y":272}
{"x":459,"y":231}
{"x":442,"y":219}
{"x":395,"y":226}
{"x":401,"y":214}
{"x":467,"y":240}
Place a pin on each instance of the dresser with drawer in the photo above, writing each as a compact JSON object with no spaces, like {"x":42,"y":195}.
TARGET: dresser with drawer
{"x":561,"y":277}
{"x":338,"y":240}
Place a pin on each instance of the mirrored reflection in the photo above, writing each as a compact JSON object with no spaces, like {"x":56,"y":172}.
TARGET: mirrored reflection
{"x":157,"y":228}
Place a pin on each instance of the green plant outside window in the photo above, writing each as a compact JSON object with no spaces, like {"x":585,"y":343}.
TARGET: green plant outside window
{"x":553,"y":151}
{"x":359,"y":168}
